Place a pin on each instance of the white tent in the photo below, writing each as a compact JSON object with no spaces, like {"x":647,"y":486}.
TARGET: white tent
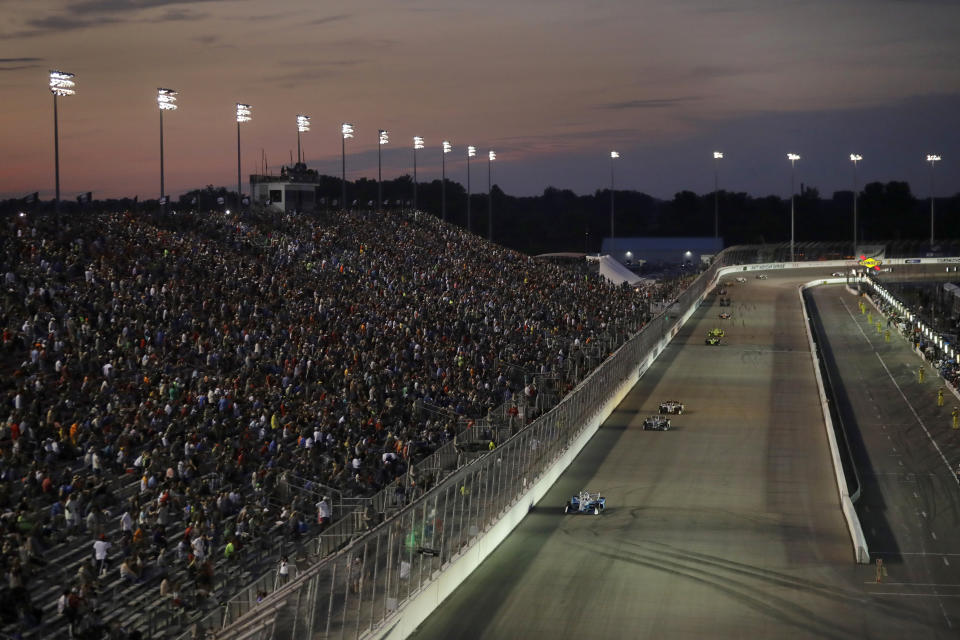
{"x":616,"y":273}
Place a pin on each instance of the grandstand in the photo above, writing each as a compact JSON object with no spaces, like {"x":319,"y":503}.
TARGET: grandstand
{"x":203,"y":395}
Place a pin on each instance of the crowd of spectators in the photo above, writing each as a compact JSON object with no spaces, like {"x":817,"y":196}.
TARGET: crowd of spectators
{"x":163,"y":380}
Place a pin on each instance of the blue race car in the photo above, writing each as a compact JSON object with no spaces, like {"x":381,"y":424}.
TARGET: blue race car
{"x":586,"y":502}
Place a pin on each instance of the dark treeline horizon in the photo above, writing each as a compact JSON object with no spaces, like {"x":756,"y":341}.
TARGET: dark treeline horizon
{"x":561,"y":220}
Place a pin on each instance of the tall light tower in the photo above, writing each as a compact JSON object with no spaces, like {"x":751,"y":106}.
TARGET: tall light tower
{"x":61,"y":84}
{"x":471,"y":152}
{"x":933,"y":159}
{"x":792,"y":157}
{"x":717,"y":157}
{"x":855,"y":158}
{"x":491,"y":156}
{"x":447,"y":148}
{"x":613,"y":156}
{"x":167,"y":101}
{"x":244,"y":114}
{"x":346,"y":131}
{"x":417,"y":144}
{"x":383,"y":138}
{"x":303,"y":125}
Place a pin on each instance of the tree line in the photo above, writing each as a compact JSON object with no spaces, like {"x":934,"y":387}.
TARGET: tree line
{"x":561,"y":220}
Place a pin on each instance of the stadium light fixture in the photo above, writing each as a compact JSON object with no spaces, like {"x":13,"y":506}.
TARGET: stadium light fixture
{"x":303,"y":125}
{"x":61,"y":85}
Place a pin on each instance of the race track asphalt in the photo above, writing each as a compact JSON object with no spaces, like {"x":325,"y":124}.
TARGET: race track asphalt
{"x":728,"y":526}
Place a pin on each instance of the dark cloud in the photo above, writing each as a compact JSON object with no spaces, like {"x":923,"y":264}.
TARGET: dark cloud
{"x":319,"y":71}
{"x":113,"y":6}
{"x":18,"y":67}
{"x":652,"y":103}
{"x":16,"y":60}
{"x":95,"y":13}
{"x":61,"y":23}
{"x":177,"y":15}
{"x":329,"y":19}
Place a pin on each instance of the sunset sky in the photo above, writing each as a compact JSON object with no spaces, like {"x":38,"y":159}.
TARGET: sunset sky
{"x":551,"y":85}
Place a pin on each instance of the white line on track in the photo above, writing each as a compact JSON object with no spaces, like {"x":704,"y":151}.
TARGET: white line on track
{"x":912,"y":553}
{"x":955,"y":477}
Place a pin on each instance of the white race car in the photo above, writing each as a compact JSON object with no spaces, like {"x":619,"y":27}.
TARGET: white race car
{"x":838,"y":274}
{"x":671,"y":406}
{"x":761,"y":276}
{"x":741,"y":279}
{"x":656,"y":423}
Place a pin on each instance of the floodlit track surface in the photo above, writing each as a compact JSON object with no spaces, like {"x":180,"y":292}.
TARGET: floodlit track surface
{"x":728,"y":526}
{"x":904,"y":448}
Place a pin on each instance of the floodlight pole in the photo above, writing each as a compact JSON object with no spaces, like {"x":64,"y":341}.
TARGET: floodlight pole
{"x":445,"y":148}
{"x":855,"y":158}
{"x":613,"y":156}
{"x":414,"y":177}
{"x":469,"y":151}
{"x":380,"y":143}
{"x":490,"y":158}
{"x":239,"y":191}
{"x":163,"y":207}
{"x":343,"y":171}
{"x":932,"y":159}
{"x":56,"y":157}
{"x":792,"y":157}
{"x":717,"y":156}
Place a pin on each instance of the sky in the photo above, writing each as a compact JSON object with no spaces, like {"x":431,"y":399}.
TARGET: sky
{"x":552,"y":85}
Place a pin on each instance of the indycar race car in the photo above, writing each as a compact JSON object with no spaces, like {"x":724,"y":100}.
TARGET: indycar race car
{"x":671,"y":406}
{"x":712,"y":341}
{"x":741,"y":279}
{"x":656,"y":423}
{"x":761,"y":276}
{"x":716,"y":332}
{"x":585,"y":502}
{"x":725,"y":315}
{"x":838,"y":274}
{"x":724,"y":302}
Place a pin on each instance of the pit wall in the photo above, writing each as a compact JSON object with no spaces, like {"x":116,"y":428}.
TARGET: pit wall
{"x":860,"y":550}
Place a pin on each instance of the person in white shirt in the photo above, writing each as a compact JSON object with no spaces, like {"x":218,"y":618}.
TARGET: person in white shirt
{"x":323,"y":511}
{"x":101,"y":548}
